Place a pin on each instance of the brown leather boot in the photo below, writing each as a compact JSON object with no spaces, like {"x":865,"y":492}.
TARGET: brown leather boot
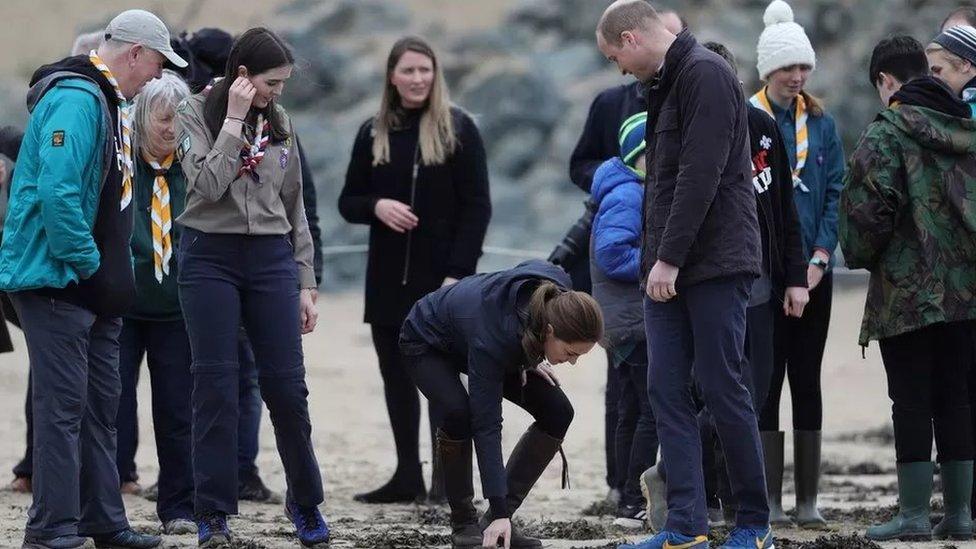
{"x":455,"y":461}
{"x":528,"y":461}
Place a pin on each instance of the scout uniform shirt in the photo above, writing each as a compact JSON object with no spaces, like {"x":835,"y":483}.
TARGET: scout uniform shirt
{"x":221,"y":199}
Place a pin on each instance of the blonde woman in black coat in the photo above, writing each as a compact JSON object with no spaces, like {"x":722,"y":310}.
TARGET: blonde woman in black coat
{"x":419,"y":178}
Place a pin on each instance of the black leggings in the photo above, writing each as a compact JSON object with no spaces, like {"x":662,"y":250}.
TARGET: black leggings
{"x":402,"y":405}
{"x":437,"y":377}
{"x":928,"y":373}
{"x":798,"y":353}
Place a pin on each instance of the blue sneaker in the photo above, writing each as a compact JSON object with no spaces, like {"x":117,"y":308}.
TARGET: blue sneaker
{"x":669,"y":540}
{"x":212,"y":530}
{"x":750,"y":538}
{"x":310,"y":526}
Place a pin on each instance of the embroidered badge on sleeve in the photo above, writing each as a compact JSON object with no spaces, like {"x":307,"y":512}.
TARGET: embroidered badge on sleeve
{"x":57,"y":138}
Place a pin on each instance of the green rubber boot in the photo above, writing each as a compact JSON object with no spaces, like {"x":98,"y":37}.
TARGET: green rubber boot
{"x":914,"y":502}
{"x":957,"y":489}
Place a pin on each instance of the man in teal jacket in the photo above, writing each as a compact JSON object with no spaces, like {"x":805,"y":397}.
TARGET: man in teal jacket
{"x":66,"y":263}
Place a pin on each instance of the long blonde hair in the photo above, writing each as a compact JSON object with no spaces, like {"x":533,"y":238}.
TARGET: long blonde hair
{"x":437,"y":138}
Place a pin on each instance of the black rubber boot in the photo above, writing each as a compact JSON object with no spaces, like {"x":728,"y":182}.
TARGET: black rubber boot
{"x":455,"y":460}
{"x":772,"y":443}
{"x":528,"y":461}
{"x":806,"y":471}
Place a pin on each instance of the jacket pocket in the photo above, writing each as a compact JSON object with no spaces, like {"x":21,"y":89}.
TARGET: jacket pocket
{"x":667,"y":141}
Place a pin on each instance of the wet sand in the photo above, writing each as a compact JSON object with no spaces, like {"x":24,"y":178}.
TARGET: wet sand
{"x":351,"y":434}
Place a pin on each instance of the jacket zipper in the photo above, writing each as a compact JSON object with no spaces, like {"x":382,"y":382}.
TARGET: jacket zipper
{"x":413,"y":197}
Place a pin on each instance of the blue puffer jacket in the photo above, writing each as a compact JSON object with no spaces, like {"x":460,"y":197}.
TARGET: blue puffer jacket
{"x":615,"y":253}
{"x":617,"y":225}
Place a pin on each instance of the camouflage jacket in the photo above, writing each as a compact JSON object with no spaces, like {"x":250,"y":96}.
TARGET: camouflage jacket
{"x":908,"y":215}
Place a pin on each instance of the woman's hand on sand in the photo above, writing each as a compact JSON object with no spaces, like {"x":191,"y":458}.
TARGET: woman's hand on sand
{"x":499,"y":528}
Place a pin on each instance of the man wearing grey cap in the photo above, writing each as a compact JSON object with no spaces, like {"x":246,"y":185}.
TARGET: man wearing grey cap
{"x":66,"y":263}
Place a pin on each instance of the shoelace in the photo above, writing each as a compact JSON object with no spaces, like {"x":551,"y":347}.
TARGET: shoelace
{"x":745,"y":537}
{"x":215,"y":523}
{"x":309,"y":518}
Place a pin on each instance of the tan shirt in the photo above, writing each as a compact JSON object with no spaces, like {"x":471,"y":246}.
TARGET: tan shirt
{"x":218,"y":201}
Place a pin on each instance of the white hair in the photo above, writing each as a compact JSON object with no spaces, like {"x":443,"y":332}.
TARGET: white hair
{"x":166,"y":92}
{"x":87,"y":42}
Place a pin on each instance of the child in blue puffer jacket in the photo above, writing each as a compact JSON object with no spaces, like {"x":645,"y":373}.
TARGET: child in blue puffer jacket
{"x":618,"y":190}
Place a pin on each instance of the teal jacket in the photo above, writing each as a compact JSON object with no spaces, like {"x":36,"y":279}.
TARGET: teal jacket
{"x":54,"y":196}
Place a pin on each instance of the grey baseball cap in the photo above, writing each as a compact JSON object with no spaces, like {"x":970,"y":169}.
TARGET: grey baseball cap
{"x":143,"y":28}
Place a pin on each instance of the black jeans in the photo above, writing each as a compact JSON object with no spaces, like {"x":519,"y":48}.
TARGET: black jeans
{"x":611,"y":398}
{"x":167,"y":348}
{"x":636,"y":433}
{"x":798,"y":353}
{"x":438,"y":378}
{"x":928,"y":372}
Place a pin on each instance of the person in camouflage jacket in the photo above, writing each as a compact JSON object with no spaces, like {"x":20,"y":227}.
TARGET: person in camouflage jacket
{"x":908,"y":215}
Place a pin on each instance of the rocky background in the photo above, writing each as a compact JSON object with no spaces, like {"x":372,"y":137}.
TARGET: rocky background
{"x":528,"y":80}
{"x":529,"y":83}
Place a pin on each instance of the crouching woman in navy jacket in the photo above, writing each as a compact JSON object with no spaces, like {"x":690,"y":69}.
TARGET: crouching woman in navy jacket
{"x":504,"y":330}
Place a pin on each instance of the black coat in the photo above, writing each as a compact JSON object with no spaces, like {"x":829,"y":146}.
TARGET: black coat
{"x":782,"y":244}
{"x":451,"y":200}
{"x":599,"y":141}
{"x":699,"y":206}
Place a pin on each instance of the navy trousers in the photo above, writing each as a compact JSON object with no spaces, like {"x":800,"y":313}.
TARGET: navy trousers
{"x":74,"y":357}
{"x":249,"y":422}
{"x":167,"y":348}
{"x":698,"y":337}
{"x":226,"y":280}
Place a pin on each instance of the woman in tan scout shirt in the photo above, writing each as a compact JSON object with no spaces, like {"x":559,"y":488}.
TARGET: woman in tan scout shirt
{"x":246,"y":255}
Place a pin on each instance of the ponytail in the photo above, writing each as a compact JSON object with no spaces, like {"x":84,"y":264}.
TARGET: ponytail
{"x":574,"y":317}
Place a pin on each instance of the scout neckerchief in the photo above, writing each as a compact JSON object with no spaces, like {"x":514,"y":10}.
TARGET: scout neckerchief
{"x":124,"y":131}
{"x":761,"y":101}
{"x":253,"y":152}
{"x":162,"y":217}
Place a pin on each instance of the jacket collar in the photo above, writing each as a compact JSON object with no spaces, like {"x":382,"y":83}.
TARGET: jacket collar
{"x":673,"y":60}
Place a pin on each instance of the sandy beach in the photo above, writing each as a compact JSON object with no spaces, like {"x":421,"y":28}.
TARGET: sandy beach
{"x":355,"y":451}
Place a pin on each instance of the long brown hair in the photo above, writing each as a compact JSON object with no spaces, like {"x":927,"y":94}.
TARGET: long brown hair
{"x":574,"y":316}
{"x":259,"y":50}
{"x":437,"y":138}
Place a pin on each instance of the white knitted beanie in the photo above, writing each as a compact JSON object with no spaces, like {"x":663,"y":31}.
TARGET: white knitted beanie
{"x":783,"y":43}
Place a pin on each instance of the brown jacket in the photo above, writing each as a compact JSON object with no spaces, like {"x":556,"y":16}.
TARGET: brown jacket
{"x":218,"y":201}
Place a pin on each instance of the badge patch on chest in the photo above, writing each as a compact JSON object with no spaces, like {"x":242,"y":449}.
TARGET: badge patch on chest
{"x":283,"y":159}
{"x":57,"y":138}
{"x":184,"y":147}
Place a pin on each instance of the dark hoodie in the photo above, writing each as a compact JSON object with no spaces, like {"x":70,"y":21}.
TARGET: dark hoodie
{"x":907,"y":212}
{"x":111,"y":290}
{"x":931,"y":93}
